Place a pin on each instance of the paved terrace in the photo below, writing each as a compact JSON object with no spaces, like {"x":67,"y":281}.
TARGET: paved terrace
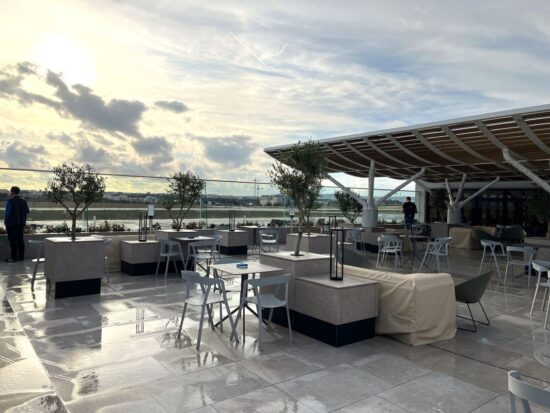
{"x":118,"y":352}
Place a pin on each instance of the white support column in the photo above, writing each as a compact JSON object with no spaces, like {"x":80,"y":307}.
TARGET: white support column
{"x":370,"y":206}
{"x":454,"y":211}
{"x":530,"y":174}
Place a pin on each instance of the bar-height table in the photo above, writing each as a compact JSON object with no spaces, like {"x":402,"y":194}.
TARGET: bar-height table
{"x":414,"y":240}
{"x":231,"y":270}
{"x":184,"y":242}
{"x":254,"y":229}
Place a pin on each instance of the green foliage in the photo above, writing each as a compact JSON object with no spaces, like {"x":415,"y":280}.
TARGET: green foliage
{"x":75,"y":188}
{"x":438,"y":201}
{"x":539,"y":205}
{"x":349,"y":206}
{"x":299,"y":176}
{"x":184,"y":189}
{"x":60,"y":229}
{"x":106,"y":227}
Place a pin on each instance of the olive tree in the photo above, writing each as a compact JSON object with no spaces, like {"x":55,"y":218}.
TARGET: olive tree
{"x":299,"y":175}
{"x":349,"y":206}
{"x":75,"y":188}
{"x":184,"y":189}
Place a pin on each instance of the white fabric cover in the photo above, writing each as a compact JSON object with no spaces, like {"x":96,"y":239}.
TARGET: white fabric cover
{"x":414,"y":308}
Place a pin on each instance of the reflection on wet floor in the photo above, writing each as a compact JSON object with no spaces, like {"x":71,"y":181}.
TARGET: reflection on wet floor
{"x":119,"y":351}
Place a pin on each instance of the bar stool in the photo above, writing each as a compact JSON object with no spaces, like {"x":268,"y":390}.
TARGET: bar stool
{"x":169,"y":249}
{"x":541,"y":266}
{"x":39,"y":247}
{"x":493,"y":253}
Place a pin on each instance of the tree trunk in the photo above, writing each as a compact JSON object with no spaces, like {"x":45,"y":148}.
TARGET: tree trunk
{"x":73,"y":228}
{"x":298,"y":240}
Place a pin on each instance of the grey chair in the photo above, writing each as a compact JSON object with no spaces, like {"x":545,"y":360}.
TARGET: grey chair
{"x":205,"y":298}
{"x":493,"y":248}
{"x":169,"y":249}
{"x":471,"y":292}
{"x":39,"y":247}
{"x":436,"y":249}
{"x":525,"y":393}
{"x":202,"y":253}
{"x":388,"y":245}
{"x":264,"y":300}
{"x":519,"y":257}
{"x":541,"y":266}
{"x":269,"y":238}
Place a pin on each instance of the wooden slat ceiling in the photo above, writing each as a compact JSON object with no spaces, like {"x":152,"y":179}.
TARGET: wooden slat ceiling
{"x":447,"y":149}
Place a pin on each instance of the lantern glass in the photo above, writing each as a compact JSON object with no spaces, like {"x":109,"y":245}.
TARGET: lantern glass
{"x":231,"y":220}
{"x":142,"y":227}
{"x":337,"y":238}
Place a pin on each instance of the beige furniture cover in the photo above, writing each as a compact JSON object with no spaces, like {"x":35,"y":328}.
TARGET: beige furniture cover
{"x":469,"y":237}
{"x":414,"y":308}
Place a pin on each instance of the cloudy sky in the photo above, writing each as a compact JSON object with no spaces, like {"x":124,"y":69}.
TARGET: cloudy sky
{"x":151,"y":87}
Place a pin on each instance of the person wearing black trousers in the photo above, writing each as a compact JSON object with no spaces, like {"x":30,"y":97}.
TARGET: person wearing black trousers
{"x":15,"y":218}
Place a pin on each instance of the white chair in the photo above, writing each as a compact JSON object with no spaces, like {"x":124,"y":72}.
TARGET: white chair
{"x":217,"y":247}
{"x":204,"y":298}
{"x":435,"y":249}
{"x":39,"y":247}
{"x":492,"y":247}
{"x":520,"y":257}
{"x":169,"y":249}
{"x":525,"y":392}
{"x":269,"y":238}
{"x":266,"y":300}
{"x":201,"y":251}
{"x":387,"y":245}
{"x":541,"y":266}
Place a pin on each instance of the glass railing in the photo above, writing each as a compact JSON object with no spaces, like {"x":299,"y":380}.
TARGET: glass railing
{"x":253,"y":202}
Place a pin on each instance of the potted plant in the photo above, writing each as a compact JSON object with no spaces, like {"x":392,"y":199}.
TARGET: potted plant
{"x":299,"y":176}
{"x":184,"y":189}
{"x":349,"y":206}
{"x":74,"y":266}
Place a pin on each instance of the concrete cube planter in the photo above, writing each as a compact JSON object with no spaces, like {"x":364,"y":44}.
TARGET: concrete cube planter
{"x":316,"y":243}
{"x":73,"y":268}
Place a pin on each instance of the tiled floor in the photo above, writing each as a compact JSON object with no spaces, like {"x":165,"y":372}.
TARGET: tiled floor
{"x":117,"y":352}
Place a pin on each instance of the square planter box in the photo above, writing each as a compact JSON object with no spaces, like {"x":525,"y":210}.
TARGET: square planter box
{"x":233,"y":242}
{"x":316,"y":243}
{"x":73,"y":268}
{"x":172,"y":233}
{"x":139,"y":258}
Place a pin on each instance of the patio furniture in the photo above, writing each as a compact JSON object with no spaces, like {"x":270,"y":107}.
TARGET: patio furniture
{"x":204,"y":298}
{"x":519,"y":257}
{"x":354,"y":236}
{"x":434,"y":250}
{"x":199,"y":252}
{"x":416,"y":308}
{"x":470,"y":292}
{"x":39,"y":247}
{"x":269,"y":238}
{"x":168,"y":250}
{"x":265,"y":300}
{"x":389,"y":244}
{"x":492,"y":247}
{"x":541,"y":266}
{"x":525,"y":392}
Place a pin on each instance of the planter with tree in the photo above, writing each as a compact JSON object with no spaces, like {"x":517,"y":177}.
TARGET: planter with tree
{"x":350,"y":208}
{"x":184,"y":190}
{"x":74,"y":266}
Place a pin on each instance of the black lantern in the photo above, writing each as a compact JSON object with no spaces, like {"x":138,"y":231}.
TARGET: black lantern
{"x":337,"y":238}
{"x":231,"y":220}
{"x":142,"y":229}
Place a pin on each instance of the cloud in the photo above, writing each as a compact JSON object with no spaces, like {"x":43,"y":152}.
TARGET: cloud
{"x":172,"y":105}
{"x":157,"y":152}
{"x":231,"y":150}
{"x":20,"y":155}
{"x":78,"y":102}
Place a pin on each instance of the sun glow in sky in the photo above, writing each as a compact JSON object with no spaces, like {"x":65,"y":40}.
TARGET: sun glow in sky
{"x":148,"y":88}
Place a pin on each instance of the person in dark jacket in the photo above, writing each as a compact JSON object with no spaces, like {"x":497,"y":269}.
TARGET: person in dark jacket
{"x":409,"y":211}
{"x":15,"y":218}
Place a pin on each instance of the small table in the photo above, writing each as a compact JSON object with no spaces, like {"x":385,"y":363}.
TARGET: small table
{"x":414,"y":239}
{"x":254,"y":229}
{"x":231,"y":269}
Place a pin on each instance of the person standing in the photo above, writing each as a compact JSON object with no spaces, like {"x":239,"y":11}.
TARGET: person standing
{"x":409,"y":211}
{"x":15,"y":218}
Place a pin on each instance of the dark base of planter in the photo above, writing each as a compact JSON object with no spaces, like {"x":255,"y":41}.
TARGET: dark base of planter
{"x":62,"y":289}
{"x":368,"y":247}
{"x":335,"y":335}
{"x":149,"y":268}
{"x":238,"y":250}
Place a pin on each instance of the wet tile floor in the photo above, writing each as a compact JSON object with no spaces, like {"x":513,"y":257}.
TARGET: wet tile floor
{"x":118,"y":352}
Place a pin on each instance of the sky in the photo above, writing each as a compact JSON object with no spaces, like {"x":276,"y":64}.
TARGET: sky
{"x":153,"y":87}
